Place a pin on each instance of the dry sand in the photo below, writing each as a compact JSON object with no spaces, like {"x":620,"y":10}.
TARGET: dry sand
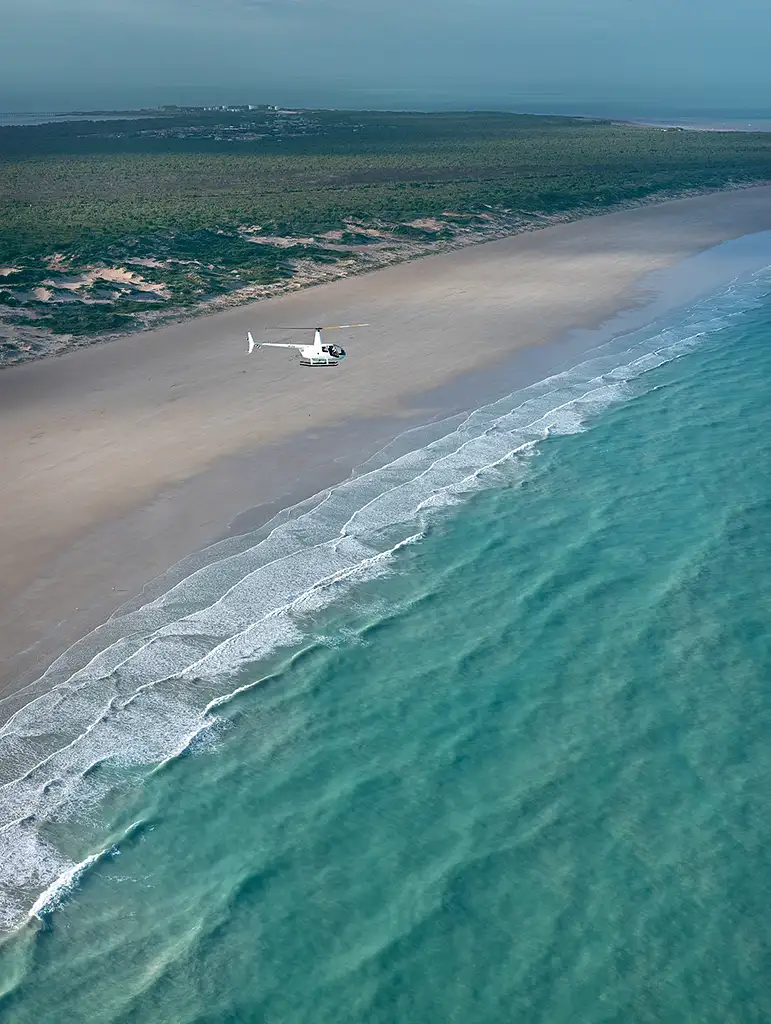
{"x":118,"y":460}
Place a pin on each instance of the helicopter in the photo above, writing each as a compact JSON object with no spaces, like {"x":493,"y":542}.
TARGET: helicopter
{"x":316,"y":354}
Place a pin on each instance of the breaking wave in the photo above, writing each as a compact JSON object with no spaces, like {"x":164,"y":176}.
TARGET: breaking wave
{"x":146,"y":684}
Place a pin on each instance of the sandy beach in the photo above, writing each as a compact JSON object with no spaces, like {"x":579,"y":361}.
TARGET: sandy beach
{"x":120,"y":459}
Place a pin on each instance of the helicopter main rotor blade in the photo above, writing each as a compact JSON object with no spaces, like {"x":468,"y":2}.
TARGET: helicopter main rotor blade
{"x":329,"y":327}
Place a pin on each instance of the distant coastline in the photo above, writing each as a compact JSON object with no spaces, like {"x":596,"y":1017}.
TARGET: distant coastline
{"x":25,"y":120}
{"x":706,"y":124}
{"x":719,"y":120}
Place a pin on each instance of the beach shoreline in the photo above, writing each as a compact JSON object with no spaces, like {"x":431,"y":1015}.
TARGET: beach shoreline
{"x":122,"y":459}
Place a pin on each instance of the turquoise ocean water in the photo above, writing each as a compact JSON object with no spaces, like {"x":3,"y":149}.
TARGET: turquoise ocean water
{"x":483,"y":734}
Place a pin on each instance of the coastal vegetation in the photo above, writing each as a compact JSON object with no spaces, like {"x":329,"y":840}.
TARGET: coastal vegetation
{"x":110,"y":225}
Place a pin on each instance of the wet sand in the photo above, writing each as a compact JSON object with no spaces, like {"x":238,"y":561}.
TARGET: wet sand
{"x":120,"y":459}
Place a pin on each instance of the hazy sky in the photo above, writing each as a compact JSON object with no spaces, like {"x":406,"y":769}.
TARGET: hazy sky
{"x":662,"y":54}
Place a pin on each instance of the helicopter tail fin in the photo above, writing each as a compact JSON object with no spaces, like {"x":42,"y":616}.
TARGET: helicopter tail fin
{"x":250,"y":339}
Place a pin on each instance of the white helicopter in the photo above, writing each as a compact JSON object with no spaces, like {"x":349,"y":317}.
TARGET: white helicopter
{"x":310,"y":355}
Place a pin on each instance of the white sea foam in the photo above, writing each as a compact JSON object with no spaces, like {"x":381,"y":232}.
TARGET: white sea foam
{"x":53,"y":895}
{"x":142,"y":687}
